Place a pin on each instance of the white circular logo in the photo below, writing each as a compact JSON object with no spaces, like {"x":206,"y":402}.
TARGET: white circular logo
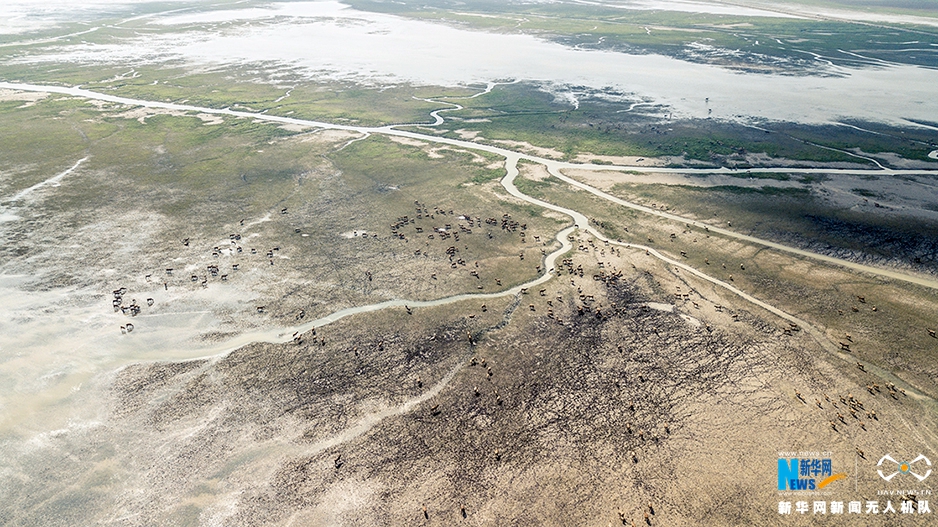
{"x":905,"y":467}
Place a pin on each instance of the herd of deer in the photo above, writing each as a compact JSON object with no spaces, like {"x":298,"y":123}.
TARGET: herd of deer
{"x":133,"y":309}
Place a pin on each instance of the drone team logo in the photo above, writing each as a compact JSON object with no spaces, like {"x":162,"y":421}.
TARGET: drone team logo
{"x":904,"y":467}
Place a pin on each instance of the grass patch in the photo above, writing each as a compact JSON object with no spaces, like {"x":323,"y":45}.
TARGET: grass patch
{"x":765,"y":191}
{"x":866,"y":193}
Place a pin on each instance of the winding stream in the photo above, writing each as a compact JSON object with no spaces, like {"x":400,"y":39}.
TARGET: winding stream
{"x":283,"y":335}
{"x":580,"y":221}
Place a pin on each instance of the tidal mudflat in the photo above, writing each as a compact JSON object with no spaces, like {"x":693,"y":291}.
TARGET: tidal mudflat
{"x":541,"y":264}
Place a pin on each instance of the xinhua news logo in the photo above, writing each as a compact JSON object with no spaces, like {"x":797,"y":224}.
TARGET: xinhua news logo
{"x":806,"y":473}
{"x":919,"y":468}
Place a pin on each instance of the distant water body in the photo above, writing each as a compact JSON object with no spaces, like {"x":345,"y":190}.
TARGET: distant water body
{"x":330,"y":40}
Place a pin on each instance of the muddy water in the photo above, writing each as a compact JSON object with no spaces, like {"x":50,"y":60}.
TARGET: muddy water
{"x":382,"y":49}
{"x":53,"y":342}
{"x":685,"y":6}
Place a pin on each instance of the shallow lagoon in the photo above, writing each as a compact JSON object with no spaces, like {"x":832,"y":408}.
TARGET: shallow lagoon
{"x":328,"y":39}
